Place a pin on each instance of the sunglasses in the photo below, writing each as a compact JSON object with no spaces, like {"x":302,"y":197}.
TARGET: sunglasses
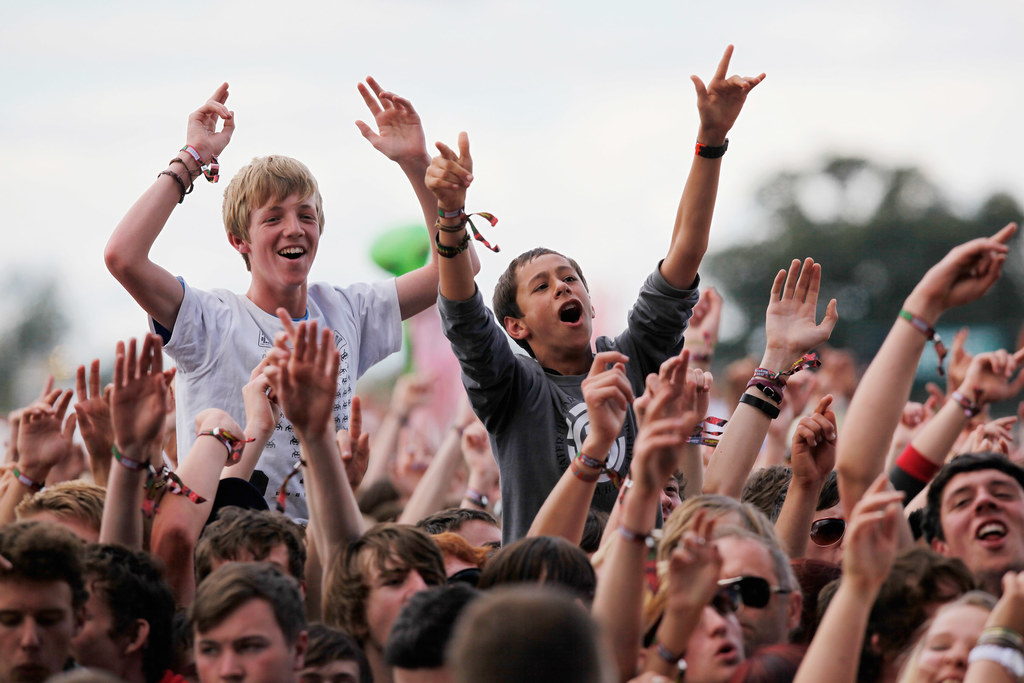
{"x":828,"y":531}
{"x":753,"y":591}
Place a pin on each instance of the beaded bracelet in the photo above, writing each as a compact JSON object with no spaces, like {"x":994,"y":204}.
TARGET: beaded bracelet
{"x":179,"y":181}
{"x":450,"y":252}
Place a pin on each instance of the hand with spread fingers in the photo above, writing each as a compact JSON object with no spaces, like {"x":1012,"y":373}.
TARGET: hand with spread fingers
{"x":790,"y":324}
{"x":93,"y":411}
{"x":399,"y":134}
{"x":138,"y":400}
{"x":305,"y":379}
{"x":44,"y":436}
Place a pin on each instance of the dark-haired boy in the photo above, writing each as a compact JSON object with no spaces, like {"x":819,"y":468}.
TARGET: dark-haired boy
{"x":975,"y":513}
{"x":534,"y":409}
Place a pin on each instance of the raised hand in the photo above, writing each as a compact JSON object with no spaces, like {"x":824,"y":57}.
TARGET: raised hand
{"x":202,"y":133}
{"x":994,"y":436}
{"x":410,"y":392}
{"x":966,"y":273}
{"x":305,"y":379}
{"x":608,"y":394}
{"x":790,"y":319}
{"x":354,"y":445}
{"x":44,"y":437}
{"x":93,"y":411}
{"x":814,"y":443}
{"x":990,"y":377}
{"x":262,"y":411}
{"x":450,"y":174}
{"x":694,"y":567}
{"x":401,"y":131}
{"x":872,"y":535}
{"x":139,"y":399}
{"x":720,"y":102}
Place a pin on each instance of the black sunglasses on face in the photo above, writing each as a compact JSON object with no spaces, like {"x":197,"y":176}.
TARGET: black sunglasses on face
{"x":754,"y":591}
{"x":828,"y":531}
{"x":726,"y":600}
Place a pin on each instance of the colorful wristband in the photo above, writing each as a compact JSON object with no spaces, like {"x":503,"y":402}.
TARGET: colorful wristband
{"x":451,"y":214}
{"x":929,"y":332}
{"x":35,"y":486}
{"x":192,"y":153}
{"x":970,"y":408}
{"x":234,"y":444}
{"x":134,"y":465}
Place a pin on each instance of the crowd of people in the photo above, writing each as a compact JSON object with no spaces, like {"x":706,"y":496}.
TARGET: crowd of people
{"x":598,"y":509}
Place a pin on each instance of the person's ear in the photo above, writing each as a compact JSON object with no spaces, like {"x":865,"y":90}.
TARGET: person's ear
{"x":299,"y":649}
{"x":795,"y":607}
{"x":238,"y":244}
{"x":516,"y":328}
{"x":138,"y":640}
{"x":940,"y":547}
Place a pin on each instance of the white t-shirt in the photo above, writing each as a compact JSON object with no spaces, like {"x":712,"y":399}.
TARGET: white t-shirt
{"x":220,"y":336}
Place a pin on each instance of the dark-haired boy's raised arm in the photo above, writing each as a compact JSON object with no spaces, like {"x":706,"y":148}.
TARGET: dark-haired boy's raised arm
{"x":719,"y":103}
{"x":448,"y":178}
{"x":127,"y":252}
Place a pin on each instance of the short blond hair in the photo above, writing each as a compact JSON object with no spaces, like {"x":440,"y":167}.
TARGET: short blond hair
{"x":76,"y":499}
{"x":263,"y":180}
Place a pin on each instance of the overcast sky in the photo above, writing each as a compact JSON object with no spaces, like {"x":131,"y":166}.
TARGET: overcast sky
{"x":581,"y":116}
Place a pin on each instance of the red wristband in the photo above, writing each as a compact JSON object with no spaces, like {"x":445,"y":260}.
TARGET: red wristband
{"x":916,"y":465}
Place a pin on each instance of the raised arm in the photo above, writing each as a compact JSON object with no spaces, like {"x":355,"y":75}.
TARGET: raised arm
{"x":400,"y":138}
{"x":44,"y":440}
{"x":93,"y":411}
{"x":305,"y":381}
{"x":179,"y":519}
{"x":670,"y":417}
{"x":448,"y":177}
{"x":127,"y":252}
{"x":962,"y":276}
{"x":262,"y":413}
{"x":990,"y":378}
{"x":872,"y":542}
{"x":138,"y":405}
{"x":813,"y":457}
{"x":719,"y":103}
{"x":791,"y":332}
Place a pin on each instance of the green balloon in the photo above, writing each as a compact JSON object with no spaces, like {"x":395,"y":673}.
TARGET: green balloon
{"x":402,"y":249}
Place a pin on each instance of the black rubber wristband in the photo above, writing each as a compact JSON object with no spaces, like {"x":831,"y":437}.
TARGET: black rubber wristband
{"x":764,"y":406}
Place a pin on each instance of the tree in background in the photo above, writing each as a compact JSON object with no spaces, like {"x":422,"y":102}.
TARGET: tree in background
{"x":34,"y":325}
{"x":875,"y":231}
